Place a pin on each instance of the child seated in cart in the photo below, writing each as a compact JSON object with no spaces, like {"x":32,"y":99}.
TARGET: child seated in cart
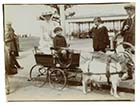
{"x":59,"y":40}
{"x":60,"y":45}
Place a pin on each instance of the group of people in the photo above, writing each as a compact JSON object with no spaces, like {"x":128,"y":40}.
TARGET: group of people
{"x":100,"y":33}
{"x":100,"y":36}
{"x":52,"y":35}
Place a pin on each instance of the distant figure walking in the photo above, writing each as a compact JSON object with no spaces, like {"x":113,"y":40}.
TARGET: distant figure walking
{"x":11,"y":45}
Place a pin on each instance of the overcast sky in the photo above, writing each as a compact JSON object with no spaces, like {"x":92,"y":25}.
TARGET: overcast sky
{"x":24,"y":17}
{"x":99,"y":10}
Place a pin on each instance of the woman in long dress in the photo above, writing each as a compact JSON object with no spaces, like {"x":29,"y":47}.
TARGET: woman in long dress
{"x":47,"y":27}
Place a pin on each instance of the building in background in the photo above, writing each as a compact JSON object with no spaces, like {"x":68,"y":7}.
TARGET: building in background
{"x":78,"y":17}
{"x":112,"y":15}
{"x":81,"y":25}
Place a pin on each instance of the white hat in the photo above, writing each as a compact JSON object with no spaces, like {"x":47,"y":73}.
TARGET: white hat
{"x":47,"y":13}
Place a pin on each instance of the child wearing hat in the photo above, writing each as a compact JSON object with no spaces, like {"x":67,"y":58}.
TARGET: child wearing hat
{"x":59,"y":41}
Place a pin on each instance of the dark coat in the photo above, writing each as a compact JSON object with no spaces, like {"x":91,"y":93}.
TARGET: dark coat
{"x":59,"y":41}
{"x":100,"y":38}
{"x":10,"y":40}
{"x":129,"y":33}
{"x":9,"y":70}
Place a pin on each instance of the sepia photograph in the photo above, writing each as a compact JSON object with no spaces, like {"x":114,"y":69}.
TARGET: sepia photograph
{"x":69,"y":52}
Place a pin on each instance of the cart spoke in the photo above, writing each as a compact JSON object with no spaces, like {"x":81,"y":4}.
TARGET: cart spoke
{"x":57,"y":79}
{"x":38,"y":75}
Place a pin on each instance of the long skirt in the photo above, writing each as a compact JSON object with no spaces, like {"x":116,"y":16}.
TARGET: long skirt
{"x":8,"y":69}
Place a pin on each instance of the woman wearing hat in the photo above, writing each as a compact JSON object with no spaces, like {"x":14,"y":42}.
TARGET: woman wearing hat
{"x":100,"y":35}
{"x":46,"y":39}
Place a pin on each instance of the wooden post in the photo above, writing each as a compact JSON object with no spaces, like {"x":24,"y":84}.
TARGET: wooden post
{"x":79,"y":30}
{"x":62,"y":18}
{"x":120,"y":25}
{"x":113,"y":25}
{"x":88,"y":26}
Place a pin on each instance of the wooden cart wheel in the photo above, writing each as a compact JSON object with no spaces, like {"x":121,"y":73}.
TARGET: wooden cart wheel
{"x":57,"y":79}
{"x":38,"y":74}
{"x":129,"y":47}
{"x":128,"y":52}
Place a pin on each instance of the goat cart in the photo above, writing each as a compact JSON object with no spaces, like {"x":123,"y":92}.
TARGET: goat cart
{"x":55,"y":70}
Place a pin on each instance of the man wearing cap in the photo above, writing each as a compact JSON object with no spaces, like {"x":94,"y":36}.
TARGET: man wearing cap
{"x":128,"y":28}
{"x":128,"y":33}
{"x":100,"y":35}
{"x":46,"y":39}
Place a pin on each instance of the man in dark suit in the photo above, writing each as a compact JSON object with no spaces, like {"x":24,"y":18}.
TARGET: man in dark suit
{"x":100,"y":36}
{"x":128,"y":33}
{"x":128,"y":28}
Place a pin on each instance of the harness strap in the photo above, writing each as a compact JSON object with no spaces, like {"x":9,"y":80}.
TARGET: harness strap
{"x":108,"y":69}
{"x":113,"y":73}
{"x":89,"y":64}
{"x":108,"y":74}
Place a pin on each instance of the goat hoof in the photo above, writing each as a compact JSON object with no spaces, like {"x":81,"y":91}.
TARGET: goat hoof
{"x":85,"y":93}
{"x":111,"y":93}
{"x":28,"y":79}
{"x":8,"y":92}
{"x":117,"y":96}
